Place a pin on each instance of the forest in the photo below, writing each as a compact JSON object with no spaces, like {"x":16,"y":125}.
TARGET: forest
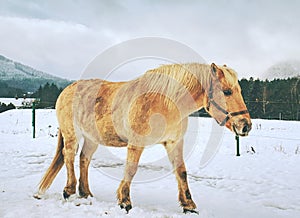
{"x":47,"y":95}
{"x":276,"y":99}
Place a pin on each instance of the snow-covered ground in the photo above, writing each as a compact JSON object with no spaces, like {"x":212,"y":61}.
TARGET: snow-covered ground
{"x":261,"y":184}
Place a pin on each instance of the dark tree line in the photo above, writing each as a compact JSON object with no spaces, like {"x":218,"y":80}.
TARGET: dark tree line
{"x":5,"y":107}
{"x":32,"y":84}
{"x":276,"y":99}
{"x":7,"y":91}
{"x":47,"y":95}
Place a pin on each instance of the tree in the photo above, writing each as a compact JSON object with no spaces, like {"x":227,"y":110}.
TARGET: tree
{"x":47,"y":95}
{"x":4,"y":107}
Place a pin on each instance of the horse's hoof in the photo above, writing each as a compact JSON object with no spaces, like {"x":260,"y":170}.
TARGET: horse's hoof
{"x":37,"y":196}
{"x":190,"y":211}
{"x":85,"y":195}
{"x":66,"y":195}
{"x":126,"y":207}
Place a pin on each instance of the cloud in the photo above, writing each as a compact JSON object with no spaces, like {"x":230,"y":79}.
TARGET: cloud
{"x":61,"y":37}
{"x":58,"y":47}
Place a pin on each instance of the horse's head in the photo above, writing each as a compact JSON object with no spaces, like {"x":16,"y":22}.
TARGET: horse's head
{"x":224,"y":101}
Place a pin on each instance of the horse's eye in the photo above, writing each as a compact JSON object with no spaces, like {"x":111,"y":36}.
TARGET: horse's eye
{"x":227,"y":92}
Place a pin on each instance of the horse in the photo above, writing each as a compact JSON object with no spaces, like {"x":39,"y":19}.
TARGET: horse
{"x":151,"y":109}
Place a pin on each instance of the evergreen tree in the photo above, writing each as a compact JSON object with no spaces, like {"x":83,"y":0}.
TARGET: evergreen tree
{"x":4,"y":107}
{"x":47,"y":95}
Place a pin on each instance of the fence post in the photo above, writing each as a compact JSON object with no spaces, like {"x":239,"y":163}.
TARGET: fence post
{"x":237,"y":138}
{"x":33,"y":119}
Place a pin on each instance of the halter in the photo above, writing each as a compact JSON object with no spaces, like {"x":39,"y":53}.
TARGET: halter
{"x":228,"y":114}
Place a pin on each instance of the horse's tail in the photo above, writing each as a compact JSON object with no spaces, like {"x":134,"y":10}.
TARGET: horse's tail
{"x":54,"y":168}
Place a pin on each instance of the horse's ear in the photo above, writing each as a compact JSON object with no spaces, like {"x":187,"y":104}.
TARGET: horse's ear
{"x":216,"y":72}
{"x":214,"y":69}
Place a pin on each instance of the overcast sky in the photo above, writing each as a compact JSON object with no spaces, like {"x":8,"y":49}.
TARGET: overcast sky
{"x":62,"y":36}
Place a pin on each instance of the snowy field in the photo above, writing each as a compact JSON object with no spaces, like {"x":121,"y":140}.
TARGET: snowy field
{"x":264,"y":183}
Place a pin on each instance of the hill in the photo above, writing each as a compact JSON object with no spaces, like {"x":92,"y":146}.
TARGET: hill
{"x":18,"y":76}
{"x":283,"y":70}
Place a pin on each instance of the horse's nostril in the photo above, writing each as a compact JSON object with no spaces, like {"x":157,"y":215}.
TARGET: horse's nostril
{"x":245,"y":128}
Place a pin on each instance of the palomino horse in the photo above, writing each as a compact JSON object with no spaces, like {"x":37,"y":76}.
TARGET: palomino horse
{"x":152,"y":109}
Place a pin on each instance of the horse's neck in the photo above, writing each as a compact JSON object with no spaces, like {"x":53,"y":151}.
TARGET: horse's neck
{"x":195,"y":83}
{"x":182,"y":85}
{"x":193,"y":100}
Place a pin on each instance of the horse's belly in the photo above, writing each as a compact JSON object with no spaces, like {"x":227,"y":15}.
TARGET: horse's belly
{"x":101,"y":130}
{"x":109,"y":137}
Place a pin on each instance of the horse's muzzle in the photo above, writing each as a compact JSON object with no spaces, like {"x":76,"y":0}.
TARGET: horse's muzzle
{"x":242,"y":127}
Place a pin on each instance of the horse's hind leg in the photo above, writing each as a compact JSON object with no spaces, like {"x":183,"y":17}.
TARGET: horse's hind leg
{"x":85,"y":158}
{"x":123,"y":193}
{"x":69,"y":152}
{"x":175,"y":153}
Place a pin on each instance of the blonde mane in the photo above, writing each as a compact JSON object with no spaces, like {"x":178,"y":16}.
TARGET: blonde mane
{"x":174,"y":81}
{"x":183,"y":74}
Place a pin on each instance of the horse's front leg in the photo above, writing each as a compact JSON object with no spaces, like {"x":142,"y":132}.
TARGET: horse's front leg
{"x":175,"y":153}
{"x":123,"y":193}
